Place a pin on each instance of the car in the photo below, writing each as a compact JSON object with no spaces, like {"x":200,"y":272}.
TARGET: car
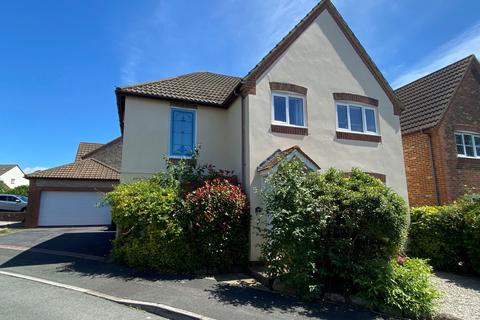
{"x":12,"y":202}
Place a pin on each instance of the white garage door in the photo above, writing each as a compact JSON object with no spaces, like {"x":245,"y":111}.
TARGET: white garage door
{"x":58,"y":208}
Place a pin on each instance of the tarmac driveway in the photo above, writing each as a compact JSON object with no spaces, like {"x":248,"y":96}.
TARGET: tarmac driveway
{"x":89,"y":241}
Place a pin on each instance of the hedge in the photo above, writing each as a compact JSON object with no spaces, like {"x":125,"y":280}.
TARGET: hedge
{"x":326,"y":230}
{"x":449,"y":236}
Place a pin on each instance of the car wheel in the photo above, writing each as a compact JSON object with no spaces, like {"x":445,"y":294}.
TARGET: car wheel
{"x":23,"y":209}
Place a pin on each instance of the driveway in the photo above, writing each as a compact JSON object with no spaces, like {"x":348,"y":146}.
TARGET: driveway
{"x":85,"y":241}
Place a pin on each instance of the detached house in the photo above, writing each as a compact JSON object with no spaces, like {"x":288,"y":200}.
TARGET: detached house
{"x":441,"y":133}
{"x":317,"y":96}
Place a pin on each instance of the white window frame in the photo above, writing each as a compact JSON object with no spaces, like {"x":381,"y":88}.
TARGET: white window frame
{"x":170,"y":155}
{"x":463,"y":134}
{"x":364,"y":118}
{"x":287,"y":106}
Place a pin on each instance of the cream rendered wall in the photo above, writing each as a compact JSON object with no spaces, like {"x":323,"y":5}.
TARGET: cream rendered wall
{"x":147,"y":136}
{"x":323,"y":61}
{"x":16,"y":174}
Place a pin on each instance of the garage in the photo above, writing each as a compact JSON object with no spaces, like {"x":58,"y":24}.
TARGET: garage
{"x":64,"y":208}
{"x":69,"y":195}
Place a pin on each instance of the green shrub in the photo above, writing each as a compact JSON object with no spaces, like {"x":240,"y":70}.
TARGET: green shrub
{"x":180,"y":220}
{"x":471,"y":209}
{"x":216,"y":218}
{"x":322,"y":226}
{"x":448,"y":236}
{"x":436,"y":233}
{"x":150,"y":237}
{"x":402,"y":286}
{"x":185,"y":175}
{"x":20,"y":190}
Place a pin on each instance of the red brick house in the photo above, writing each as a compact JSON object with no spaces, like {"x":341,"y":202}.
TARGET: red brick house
{"x":441,"y":133}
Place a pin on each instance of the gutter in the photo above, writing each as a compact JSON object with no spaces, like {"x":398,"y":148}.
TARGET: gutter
{"x":243,"y":166}
{"x":434,"y":165}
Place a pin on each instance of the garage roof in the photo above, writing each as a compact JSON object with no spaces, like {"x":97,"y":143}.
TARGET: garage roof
{"x":87,"y":169}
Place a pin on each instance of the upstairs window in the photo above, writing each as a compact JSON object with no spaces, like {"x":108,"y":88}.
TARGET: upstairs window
{"x":182,"y":132}
{"x":288,"y":109}
{"x":356,"y":118}
{"x":468,"y":144}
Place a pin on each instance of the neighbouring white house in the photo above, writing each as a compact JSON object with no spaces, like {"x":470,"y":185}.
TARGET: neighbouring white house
{"x":12,"y":176}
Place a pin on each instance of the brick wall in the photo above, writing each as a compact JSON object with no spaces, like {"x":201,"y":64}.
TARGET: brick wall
{"x":110,"y":154}
{"x":461,"y":175}
{"x":419,"y":169}
{"x":439,"y":168}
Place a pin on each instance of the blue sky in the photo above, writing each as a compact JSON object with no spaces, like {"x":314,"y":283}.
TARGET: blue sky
{"x":60,"y":61}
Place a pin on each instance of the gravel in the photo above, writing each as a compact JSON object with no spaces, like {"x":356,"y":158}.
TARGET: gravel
{"x":461,"y":295}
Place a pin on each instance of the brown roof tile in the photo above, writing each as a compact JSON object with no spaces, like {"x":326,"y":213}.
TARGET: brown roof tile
{"x":87,"y":169}
{"x":427,"y":98}
{"x":279,"y":155}
{"x":85,"y":148}
{"x":200,"y":87}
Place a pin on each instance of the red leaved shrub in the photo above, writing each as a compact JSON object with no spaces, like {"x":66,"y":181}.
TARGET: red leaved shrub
{"x":216,"y":219}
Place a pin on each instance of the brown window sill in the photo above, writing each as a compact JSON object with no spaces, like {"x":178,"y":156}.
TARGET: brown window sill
{"x":358,"y":136}
{"x":289,"y":130}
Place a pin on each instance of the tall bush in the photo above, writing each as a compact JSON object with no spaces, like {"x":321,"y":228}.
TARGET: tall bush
{"x":323,"y":226}
{"x":216,"y":218}
{"x":150,"y":237}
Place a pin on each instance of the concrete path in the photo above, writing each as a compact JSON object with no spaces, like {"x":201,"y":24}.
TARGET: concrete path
{"x":210,"y":297}
{"x":27,"y":300}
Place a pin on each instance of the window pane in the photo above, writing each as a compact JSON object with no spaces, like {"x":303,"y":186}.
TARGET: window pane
{"x":370,"y":119}
{"x":342,"y":116}
{"x":295,"y":111}
{"x":468,"y":145}
{"x":280,"y":108}
{"x":182,"y":132}
{"x":458,"y":139}
{"x":459,"y":142}
{"x":477,"y":145}
{"x":356,"y":119}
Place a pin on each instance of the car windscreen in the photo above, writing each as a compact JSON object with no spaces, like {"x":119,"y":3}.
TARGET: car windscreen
{"x":23,"y":198}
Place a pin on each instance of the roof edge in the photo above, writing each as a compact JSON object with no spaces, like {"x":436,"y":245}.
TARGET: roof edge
{"x":30,"y":176}
{"x":249,"y":82}
{"x":438,"y":70}
{"x":121,"y":95}
{"x":454,"y":95}
{"x":104,"y":164}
